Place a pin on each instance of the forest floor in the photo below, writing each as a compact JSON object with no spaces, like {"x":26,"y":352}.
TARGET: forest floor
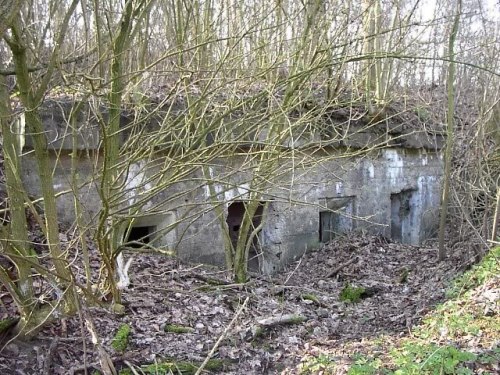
{"x":341,"y":309}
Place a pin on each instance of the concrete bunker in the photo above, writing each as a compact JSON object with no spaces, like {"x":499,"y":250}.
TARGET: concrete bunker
{"x":403,"y":216}
{"x":337,"y":218}
{"x":236,"y":211}
{"x":390,"y":187}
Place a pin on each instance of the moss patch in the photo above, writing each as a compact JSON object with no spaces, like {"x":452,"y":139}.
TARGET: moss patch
{"x":173,"y":328}
{"x":351,"y":293}
{"x":120,"y":340}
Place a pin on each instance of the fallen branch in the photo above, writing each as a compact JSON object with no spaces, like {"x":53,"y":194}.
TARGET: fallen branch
{"x":210,"y":280}
{"x":282,"y":320}
{"x":273,"y":321}
{"x":337,"y":269}
{"x":107,"y":367}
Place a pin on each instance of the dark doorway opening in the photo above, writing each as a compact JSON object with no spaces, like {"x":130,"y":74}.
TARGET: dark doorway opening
{"x":235,"y":214}
{"x":401,"y":216}
{"x":326,"y":226}
{"x":337,"y":220}
{"x":140,"y":236}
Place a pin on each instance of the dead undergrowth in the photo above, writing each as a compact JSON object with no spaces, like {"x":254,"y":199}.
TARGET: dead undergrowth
{"x":285,"y":317}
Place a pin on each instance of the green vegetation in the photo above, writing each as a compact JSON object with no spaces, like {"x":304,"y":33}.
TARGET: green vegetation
{"x":458,"y":336}
{"x":416,"y":358}
{"x":478,"y":275}
{"x":297,"y":319}
{"x":318,"y":365}
{"x":120,"y":341}
{"x":351,"y":293}
{"x":173,"y":328}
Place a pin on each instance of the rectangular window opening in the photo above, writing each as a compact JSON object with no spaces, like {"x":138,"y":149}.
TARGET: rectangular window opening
{"x":140,"y":236}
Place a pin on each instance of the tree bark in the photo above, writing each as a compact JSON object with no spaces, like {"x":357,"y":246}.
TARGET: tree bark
{"x":17,"y":243}
{"x":8,"y":10}
{"x":450,"y":133}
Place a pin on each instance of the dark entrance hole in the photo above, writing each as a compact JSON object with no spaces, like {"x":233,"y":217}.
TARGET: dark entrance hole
{"x":140,"y":236}
{"x":326,"y":225}
{"x":235,"y":214}
{"x":401,"y":216}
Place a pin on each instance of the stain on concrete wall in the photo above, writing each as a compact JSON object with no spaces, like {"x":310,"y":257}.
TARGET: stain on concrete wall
{"x":404,"y":226}
{"x":336,"y":218}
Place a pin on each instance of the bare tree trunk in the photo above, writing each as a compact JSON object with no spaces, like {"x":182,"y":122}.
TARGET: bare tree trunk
{"x":8,"y":10}
{"x":449,"y":132}
{"x":241,"y":251}
{"x":110,"y":232}
{"x":35,"y":127}
{"x":31,"y":95}
{"x":16,"y":245}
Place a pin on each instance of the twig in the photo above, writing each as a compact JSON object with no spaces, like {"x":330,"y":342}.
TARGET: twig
{"x":131,"y":367}
{"x":222,"y":336}
{"x":50,"y":355}
{"x":296,"y":268}
{"x":338,"y":268}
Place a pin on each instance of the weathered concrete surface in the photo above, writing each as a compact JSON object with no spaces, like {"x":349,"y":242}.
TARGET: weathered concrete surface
{"x":393,"y":189}
{"x":188,"y":223}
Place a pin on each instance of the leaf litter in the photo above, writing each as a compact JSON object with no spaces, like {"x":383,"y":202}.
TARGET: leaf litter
{"x":401,"y":283}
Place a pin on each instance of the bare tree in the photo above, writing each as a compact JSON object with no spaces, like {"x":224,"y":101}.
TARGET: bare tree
{"x":450,"y":132}
{"x":248,"y":83}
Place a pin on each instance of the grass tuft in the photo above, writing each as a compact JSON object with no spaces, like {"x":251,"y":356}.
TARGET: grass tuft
{"x":351,"y":293}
